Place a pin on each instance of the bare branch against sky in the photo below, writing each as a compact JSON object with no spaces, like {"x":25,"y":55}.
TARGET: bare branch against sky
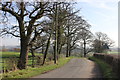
{"x":101,"y":14}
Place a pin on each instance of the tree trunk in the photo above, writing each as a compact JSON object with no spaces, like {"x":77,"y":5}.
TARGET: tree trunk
{"x":60,"y":49}
{"x":68,"y":46}
{"x":22,"y":63}
{"x":46,"y":51}
{"x":55,"y":54}
{"x":33,"y":60}
{"x":42,"y":49}
{"x":84,"y":48}
{"x":68,"y":42}
{"x":56,"y":32}
{"x":55,"y":51}
{"x":32,"y":52}
{"x":69,"y":52}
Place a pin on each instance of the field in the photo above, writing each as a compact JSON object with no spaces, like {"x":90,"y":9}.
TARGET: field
{"x":5,"y":56}
{"x":14,"y":54}
{"x":111,"y":52}
{"x":8,"y":57}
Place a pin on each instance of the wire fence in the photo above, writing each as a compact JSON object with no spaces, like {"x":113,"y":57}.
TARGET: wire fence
{"x":10,"y":63}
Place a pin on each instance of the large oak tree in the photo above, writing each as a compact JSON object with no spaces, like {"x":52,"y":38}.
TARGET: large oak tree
{"x":28,"y":16}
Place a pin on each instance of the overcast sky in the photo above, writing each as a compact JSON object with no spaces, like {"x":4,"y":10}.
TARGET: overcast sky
{"x":102,"y":15}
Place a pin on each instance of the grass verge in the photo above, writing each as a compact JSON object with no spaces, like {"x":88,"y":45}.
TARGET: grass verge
{"x":105,"y":68}
{"x":30,"y":72}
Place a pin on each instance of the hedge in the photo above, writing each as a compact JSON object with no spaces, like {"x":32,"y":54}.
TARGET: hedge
{"x":112,"y":59}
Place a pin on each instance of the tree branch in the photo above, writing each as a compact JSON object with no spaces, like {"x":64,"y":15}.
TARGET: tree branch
{"x":7,"y":32}
{"x":10,"y":11}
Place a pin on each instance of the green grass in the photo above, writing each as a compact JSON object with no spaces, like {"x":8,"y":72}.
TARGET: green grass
{"x":30,"y":72}
{"x":111,"y":52}
{"x":6,"y":56}
{"x":105,"y":68}
{"x":14,"y":54}
{"x":9,"y":54}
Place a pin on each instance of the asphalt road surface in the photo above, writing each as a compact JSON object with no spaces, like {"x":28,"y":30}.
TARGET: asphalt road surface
{"x":75,"y":68}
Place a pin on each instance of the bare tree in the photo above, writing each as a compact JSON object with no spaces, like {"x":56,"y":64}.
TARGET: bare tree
{"x":86,"y":37}
{"x":28,"y":15}
{"x":102,"y":42}
{"x":59,"y":16}
{"x":73,"y":28}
